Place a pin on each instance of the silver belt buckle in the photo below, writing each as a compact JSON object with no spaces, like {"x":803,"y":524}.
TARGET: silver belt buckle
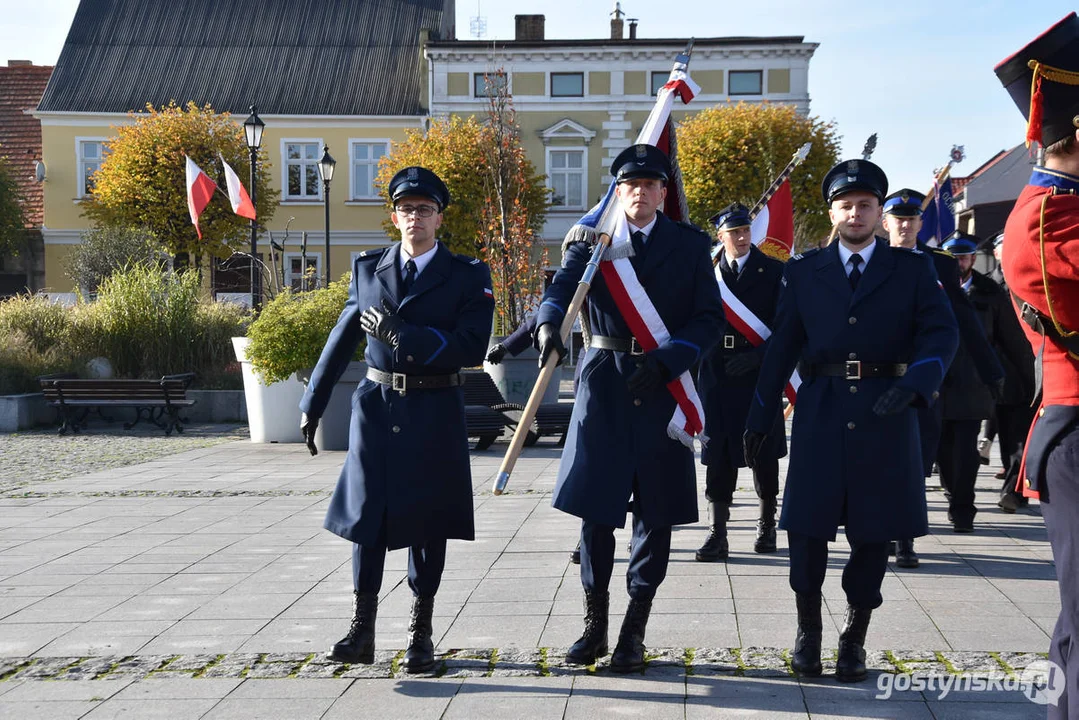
{"x":728,"y":342}
{"x":854,"y":369}
{"x":635,"y":347}
{"x":399,"y":382}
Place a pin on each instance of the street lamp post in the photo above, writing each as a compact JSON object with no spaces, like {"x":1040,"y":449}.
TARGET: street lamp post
{"x":253,"y":127}
{"x":325,"y":169}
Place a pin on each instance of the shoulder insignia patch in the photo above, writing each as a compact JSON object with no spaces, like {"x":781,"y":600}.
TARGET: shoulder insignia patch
{"x":367,"y":254}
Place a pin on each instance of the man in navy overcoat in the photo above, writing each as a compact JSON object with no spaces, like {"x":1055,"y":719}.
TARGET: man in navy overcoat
{"x":727,"y":377}
{"x":406,"y":482}
{"x":871,"y":332}
{"x":618,"y":443}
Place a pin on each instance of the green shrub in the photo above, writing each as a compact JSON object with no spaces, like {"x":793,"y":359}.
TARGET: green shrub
{"x":42,"y":323}
{"x":22,"y":363}
{"x":103,"y":251}
{"x":149,"y":323}
{"x":290,"y":332}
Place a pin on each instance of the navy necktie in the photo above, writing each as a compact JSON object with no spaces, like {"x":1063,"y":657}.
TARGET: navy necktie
{"x":410,"y":276}
{"x":637,"y":238}
{"x":856,"y":273}
{"x":734,"y":266}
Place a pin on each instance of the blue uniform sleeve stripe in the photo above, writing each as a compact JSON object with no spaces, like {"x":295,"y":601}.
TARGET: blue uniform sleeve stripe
{"x":555,"y":305}
{"x":440,"y":347}
{"x":688,"y":344}
{"x":937,"y":360}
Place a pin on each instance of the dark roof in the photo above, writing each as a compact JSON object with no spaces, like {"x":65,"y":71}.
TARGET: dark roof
{"x":604,"y":42}
{"x":289,"y":57}
{"x":20,"y":132}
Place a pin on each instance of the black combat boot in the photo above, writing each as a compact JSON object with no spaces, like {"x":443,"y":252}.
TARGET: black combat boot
{"x":420,"y":654}
{"x":766,"y":527}
{"x":850,"y":664}
{"x":715,"y":548}
{"x":593,"y":643}
{"x":629,"y":652}
{"x":905,"y":557}
{"x":805,"y":660}
{"x":359,"y":645}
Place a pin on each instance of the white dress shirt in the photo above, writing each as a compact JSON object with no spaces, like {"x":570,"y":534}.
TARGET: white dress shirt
{"x":865,"y":253}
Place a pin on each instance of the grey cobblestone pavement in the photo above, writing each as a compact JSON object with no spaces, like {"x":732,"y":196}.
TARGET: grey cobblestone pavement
{"x":148,"y":578}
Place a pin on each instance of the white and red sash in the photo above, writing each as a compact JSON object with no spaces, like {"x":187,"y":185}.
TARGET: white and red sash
{"x":648,"y":328}
{"x":744,"y":321}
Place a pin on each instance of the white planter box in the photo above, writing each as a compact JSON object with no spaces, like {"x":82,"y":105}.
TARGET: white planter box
{"x":273,"y":411}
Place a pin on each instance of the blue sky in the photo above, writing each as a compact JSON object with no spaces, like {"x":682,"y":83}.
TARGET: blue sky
{"x":919,"y":74}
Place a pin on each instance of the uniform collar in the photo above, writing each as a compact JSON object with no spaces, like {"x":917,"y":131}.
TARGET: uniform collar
{"x":866,"y":253}
{"x":1044,"y":177}
{"x":420,"y":260}
{"x":741,"y":260}
{"x":647,"y":229}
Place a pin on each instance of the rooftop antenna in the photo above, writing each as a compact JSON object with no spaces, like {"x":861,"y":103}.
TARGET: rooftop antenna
{"x":477,"y":24}
{"x":617,"y":12}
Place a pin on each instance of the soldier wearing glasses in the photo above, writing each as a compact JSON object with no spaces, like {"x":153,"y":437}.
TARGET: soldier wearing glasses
{"x":406,"y":481}
{"x":871,"y":333}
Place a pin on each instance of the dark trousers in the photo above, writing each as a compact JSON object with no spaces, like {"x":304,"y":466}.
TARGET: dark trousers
{"x":958,"y":459}
{"x":425,"y":565}
{"x":647,"y":560}
{"x":1060,"y":509}
{"x":721,"y":479}
{"x":862,"y":575}
{"x":1013,"y":424}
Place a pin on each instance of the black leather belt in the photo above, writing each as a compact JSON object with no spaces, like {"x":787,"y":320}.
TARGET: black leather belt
{"x":401,"y":382}
{"x":626,"y":345}
{"x":734,"y":341}
{"x":854,"y":369}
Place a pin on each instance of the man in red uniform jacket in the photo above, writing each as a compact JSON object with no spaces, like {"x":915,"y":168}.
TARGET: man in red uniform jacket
{"x":1041,"y":265}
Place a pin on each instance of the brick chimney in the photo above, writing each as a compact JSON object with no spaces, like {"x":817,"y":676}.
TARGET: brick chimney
{"x":616,"y":21}
{"x":529,"y":27}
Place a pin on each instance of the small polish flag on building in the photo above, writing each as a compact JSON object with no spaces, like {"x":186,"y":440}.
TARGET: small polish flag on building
{"x":241,"y":201}
{"x":200,"y":188}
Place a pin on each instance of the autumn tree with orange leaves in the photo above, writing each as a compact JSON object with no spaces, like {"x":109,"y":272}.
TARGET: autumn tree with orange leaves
{"x":499,"y":201}
{"x":142,"y":182}
{"x":732,"y":152}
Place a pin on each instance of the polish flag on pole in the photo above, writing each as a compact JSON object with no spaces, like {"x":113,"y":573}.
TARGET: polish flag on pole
{"x":200,"y":188}
{"x":241,"y":201}
{"x":773,"y":228}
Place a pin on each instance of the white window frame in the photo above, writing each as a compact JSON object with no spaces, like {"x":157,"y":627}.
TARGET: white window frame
{"x":550,"y":83}
{"x":289,"y":256}
{"x":664,"y":74}
{"x":583,"y":150}
{"x":285,"y":197}
{"x":353,"y":191}
{"x":80,"y":163}
{"x":479,"y":75}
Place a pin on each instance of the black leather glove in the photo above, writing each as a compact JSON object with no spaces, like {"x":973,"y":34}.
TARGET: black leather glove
{"x":549,"y":340}
{"x":382,"y":324}
{"x":495,"y":354}
{"x":742,"y":364}
{"x":996,"y":389}
{"x":752,"y":442}
{"x":893,"y":401}
{"x":307,"y":429}
{"x":648,"y":376}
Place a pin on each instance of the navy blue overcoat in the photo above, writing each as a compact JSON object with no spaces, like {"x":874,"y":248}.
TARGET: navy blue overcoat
{"x":617,"y":441}
{"x":407,"y":465}
{"x":849,"y":466}
{"x":726,"y":398}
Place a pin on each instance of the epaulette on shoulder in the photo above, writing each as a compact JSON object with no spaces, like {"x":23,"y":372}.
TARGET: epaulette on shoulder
{"x":802,"y":255}
{"x":370,"y":254}
{"x":694,"y":228}
{"x":912,"y":251}
{"x":941,"y":251}
{"x":466,"y":259}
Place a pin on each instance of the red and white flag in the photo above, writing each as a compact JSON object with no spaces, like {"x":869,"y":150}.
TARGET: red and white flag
{"x":241,"y":201}
{"x":200,"y":188}
{"x":773,"y":228}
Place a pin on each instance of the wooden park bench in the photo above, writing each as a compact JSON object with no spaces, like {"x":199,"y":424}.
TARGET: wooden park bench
{"x":481,"y":393}
{"x":158,"y":401}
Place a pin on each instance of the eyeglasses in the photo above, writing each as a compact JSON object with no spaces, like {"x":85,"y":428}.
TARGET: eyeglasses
{"x":423,"y":211}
